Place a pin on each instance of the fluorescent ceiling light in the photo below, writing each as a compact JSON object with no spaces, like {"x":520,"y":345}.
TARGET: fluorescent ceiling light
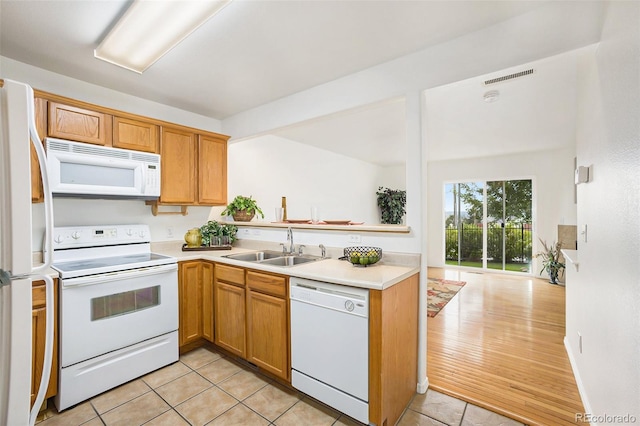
{"x":150,"y":28}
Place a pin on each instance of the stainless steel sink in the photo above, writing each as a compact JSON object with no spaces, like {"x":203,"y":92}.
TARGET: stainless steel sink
{"x":255,"y":256}
{"x":290,"y":260}
{"x":271,"y":257}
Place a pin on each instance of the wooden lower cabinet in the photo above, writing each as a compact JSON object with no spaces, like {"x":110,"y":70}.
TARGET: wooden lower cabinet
{"x":268,"y":333}
{"x":207,"y":301}
{"x":229,"y":302}
{"x":195,"y":301}
{"x":252,"y":317}
{"x":393,"y":350}
{"x":38,"y":330}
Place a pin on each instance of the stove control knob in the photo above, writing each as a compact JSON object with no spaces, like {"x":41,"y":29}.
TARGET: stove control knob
{"x":75,"y":235}
{"x":58,"y":239}
{"x":141,"y":233}
{"x":129,"y":232}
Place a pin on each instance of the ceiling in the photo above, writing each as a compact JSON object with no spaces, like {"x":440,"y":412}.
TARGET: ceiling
{"x":533,"y":112}
{"x":373,"y":133}
{"x":251,"y":53}
{"x":255,"y":52}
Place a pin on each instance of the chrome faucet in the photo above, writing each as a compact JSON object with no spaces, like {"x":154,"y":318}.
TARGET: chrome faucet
{"x":324,"y":250}
{"x":292,"y":247}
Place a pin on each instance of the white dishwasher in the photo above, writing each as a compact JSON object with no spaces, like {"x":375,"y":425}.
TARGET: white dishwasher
{"x":330,"y":344}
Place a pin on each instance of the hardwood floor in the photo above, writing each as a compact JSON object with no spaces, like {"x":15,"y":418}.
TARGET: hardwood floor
{"x":499,"y":344}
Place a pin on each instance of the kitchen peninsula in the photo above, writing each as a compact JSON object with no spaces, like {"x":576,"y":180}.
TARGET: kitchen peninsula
{"x":393,"y":314}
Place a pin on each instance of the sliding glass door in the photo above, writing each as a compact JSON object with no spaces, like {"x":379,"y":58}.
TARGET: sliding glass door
{"x":503,"y":209}
{"x":464,"y":234}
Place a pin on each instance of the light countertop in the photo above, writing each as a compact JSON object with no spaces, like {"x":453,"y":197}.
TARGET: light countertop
{"x":380,"y":276}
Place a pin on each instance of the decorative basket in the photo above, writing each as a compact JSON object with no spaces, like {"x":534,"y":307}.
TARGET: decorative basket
{"x":363,"y":255}
{"x":243,"y":216}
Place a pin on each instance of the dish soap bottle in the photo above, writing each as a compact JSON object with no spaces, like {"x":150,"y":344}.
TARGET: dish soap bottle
{"x":284,"y":209}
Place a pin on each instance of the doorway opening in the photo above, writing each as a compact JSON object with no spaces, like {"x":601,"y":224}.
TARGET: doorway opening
{"x":488,"y":225}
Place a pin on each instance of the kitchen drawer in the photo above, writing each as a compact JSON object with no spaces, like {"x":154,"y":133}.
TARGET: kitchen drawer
{"x":266,"y":283}
{"x":229,"y":274}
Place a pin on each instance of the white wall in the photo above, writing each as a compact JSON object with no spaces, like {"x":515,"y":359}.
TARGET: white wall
{"x":70,"y":212}
{"x":270,"y":167}
{"x":603,"y":296}
{"x":552,"y":175}
{"x":394,"y":177}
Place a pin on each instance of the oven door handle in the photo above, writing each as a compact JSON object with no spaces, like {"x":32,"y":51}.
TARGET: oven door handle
{"x":119,"y":275}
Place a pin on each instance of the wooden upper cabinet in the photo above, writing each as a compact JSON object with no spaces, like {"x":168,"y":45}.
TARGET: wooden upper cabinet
{"x":41,"y":126}
{"x":79,"y":124}
{"x":136,"y":135}
{"x":178,"y":166}
{"x":212,"y":170}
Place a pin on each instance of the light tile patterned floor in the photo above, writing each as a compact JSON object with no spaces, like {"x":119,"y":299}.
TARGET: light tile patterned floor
{"x":205,"y":388}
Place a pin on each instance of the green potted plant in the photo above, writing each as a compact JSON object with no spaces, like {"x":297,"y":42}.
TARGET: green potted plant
{"x":242,"y":209}
{"x":551,"y":260}
{"x":391,"y":203}
{"x":217,"y":234}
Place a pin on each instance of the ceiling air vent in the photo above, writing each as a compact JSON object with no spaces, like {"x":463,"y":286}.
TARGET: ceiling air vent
{"x":508,"y":77}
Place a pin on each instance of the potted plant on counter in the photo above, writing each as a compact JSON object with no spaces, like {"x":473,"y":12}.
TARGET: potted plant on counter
{"x":218,"y":234}
{"x":391,"y":203}
{"x":551,"y":260}
{"x":243,"y":209}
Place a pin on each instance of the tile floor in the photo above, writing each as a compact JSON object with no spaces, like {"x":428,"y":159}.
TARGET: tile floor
{"x":206,"y":388}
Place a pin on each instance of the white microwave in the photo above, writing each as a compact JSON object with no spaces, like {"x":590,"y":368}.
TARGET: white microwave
{"x":90,"y":171}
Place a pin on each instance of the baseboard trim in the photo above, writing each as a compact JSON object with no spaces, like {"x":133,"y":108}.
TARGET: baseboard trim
{"x":423,"y":386}
{"x":576,"y":375}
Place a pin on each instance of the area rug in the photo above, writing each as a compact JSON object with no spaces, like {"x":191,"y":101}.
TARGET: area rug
{"x":439,"y":293}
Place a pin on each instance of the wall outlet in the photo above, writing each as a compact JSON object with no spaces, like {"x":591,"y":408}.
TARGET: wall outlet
{"x":169,"y":233}
{"x":354,"y":238}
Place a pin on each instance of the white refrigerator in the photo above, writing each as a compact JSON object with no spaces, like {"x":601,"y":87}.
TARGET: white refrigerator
{"x":17,"y":271}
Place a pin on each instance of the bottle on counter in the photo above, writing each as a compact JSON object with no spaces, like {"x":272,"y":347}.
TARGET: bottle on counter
{"x":284,"y":208}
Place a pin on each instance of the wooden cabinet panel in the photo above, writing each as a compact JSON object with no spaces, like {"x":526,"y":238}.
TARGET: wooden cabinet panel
{"x":267,"y":333}
{"x":207,"y":300}
{"x":266,"y":283}
{"x":38,"y":329}
{"x":40,"y":111}
{"x":134,"y":134}
{"x":230,"y":274}
{"x":230,"y":317}
{"x":190,"y":302}
{"x":79,"y":124}
{"x":178,"y":166}
{"x":212,"y":170}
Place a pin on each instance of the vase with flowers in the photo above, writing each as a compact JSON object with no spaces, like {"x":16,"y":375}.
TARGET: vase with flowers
{"x":551,"y":260}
